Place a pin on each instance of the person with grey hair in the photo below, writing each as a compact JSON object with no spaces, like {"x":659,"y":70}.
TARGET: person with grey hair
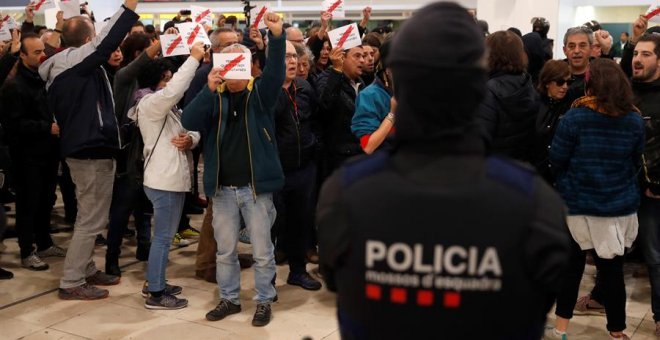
{"x":305,"y":61}
{"x":577,"y":48}
{"x":242,"y":170}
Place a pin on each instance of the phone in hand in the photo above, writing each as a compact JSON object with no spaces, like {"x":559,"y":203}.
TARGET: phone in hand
{"x":185,"y":12}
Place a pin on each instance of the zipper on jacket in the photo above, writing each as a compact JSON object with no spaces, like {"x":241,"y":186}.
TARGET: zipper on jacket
{"x":217,"y":144}
{"x":267,"y":135}
{"x":247,"y":130}
{"x":298,"y":137}
{"x":98,"y":110}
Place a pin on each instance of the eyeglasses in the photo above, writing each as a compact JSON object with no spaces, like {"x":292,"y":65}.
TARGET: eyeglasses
{"x":290,"y":56}
{"x":561,"y":82}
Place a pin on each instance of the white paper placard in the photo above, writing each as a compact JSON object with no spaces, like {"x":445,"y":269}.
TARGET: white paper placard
{"x":71,"y":8}
{"x":201,"y":15}
{"x":192,"y":32}
{"x":335,"y":7}
{"x":173,"y":45}
{"x":7,"y":20}
{"x":346,"y":36}
{"x":653,"y":13}
{"x":258,"y":14}
{"x":238,"y":65}
{"x":5,"y":34}
{"x":42,"y":5}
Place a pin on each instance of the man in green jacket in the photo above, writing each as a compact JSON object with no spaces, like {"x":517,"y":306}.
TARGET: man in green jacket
{"x":242,"y":169}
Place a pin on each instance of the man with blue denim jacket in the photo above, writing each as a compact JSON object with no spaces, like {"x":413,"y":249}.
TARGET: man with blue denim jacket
{"x":80,"y":97}
{"x":242,"y":170}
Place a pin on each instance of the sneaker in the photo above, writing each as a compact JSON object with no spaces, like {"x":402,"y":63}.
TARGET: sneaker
{"x":84,"y":292}
{"x":262,"y":315}
{"x":179,"y":241}
{"x":33,"y":262}
{"x":102,"y":279}
{"x":553,"y":333}
{"x":189,"y":232}
{"x":5,"y":274}
{"x":165,"y":301}
{"x":100,"y":240}
{"x":53,"y":251}
{"x":244,"y":236}
{"x":303,"y":280}
{"x":169,"y":290}
{"x":223,"y":309}
{"x":586,"y":306}
{"x":623,"y":336}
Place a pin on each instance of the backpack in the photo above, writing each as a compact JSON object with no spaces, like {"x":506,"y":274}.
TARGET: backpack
{"x":135,"y":161}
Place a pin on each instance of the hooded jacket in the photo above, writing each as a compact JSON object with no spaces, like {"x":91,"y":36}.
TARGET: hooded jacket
{"x":647,"y":100}
{"x":80,"y":94}
{"x":208,"y":112}
{"x":508,"y":115}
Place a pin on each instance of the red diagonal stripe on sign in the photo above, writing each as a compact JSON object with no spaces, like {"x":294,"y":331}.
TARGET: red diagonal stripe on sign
{"x":334,"y":6}
{"x":6,"y":18}
{"x":259,"y":17}
{"x":654,"y":13}
{"x":231,"y":64}
{"x":345,"y":36}
{"x":202,"y":15}
{"x":38,"y":5}
{"x":174,"y":44}
{"x":193,"y":35}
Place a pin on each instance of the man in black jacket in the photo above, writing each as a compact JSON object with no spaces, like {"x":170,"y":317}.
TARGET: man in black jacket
{"x":338,"y":88}
{"x":80,"y":96}
{"x":296,"y":144}
{"x":32,"y":135}
{"x":429,"y":237}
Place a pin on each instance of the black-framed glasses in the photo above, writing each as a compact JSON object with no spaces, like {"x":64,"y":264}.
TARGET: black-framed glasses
{"x":561,"y":82}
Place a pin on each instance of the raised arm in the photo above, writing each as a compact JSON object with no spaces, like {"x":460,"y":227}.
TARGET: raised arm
{"x":274,"y":70}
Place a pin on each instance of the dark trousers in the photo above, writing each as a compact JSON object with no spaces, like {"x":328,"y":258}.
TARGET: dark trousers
{"x":649,"y":240}
{"x":35,"y":186}
{"x":610,"y":273}
{"x":127,"y":198}
{"x":68,"y":190}
{"x":294,"y":214}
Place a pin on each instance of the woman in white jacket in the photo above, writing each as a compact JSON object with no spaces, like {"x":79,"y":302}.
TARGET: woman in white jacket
{"x":168,"y":163}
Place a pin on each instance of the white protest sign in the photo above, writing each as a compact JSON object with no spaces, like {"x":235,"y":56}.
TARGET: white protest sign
{"x":42,"y":5}
{"x":71,"y":8}
{"x":5,"y":34}
{"x":192,"y":32}
{"x":6,"y":20}
{"x":236,"y":65}
{"x":173,"y":45}
{"x":201,"y":15}
{"x":653,"y":13}
{"x":258,"y":15}
{"x":335,"y":7}
{"x":345,"y":37}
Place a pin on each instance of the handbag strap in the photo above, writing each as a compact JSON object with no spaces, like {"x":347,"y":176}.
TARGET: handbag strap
{"x":137,"y":117}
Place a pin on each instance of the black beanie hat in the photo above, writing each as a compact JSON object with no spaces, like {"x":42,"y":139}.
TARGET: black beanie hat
{"x":437,"y":61}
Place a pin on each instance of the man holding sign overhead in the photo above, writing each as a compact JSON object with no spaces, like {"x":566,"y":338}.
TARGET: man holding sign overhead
{"x":242,"y":167}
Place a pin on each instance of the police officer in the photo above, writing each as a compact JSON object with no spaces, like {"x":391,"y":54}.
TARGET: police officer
{"x":434,"y":237}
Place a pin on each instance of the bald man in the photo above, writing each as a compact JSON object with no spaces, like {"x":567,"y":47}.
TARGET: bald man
{"x":293,"y":34}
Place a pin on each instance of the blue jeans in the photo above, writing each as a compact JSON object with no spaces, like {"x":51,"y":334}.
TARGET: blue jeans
{"x":168,"y":206}
{"x":229,"y":204}
{"x":649,"y":238}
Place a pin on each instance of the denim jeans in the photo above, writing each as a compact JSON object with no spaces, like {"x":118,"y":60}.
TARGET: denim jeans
{"x":168,"y":206}
{"x":93,"y":179}
{"x":229,"y":204}
{"x":649,"y":240}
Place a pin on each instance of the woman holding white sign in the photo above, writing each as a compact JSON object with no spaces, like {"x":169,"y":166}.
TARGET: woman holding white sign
{"x":168,"y":163}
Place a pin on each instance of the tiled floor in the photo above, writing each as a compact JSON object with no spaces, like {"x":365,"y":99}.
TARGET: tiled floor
{"x":37,"y":313}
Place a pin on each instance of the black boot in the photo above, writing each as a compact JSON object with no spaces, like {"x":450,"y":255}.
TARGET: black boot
{"x":142,"y":252}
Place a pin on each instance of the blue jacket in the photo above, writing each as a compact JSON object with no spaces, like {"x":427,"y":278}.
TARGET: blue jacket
{"x":79,"y":91}
{"x":209,"y":110}
{"x":597,"y":159}
{"x":371,"y":107}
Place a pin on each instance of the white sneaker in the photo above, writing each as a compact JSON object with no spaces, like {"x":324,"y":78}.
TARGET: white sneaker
{"x":553,"y":333}
{"x":52,"y":251}
{"x":33,"y":262}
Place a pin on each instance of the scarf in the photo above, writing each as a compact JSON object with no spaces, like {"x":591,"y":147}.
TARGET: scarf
{"x":589,"y":102}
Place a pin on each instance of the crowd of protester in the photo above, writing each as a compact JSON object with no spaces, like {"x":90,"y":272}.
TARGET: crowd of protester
{"x":426,"y":111}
